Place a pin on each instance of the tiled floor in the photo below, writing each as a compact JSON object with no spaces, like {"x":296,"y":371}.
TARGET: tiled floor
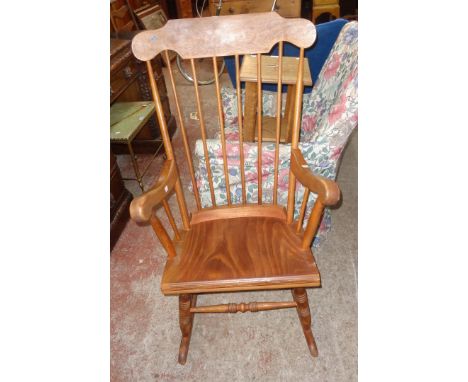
{"x":263,"y":346}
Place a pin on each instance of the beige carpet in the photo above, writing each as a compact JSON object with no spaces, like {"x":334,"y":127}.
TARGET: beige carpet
{"x":263,"y":346}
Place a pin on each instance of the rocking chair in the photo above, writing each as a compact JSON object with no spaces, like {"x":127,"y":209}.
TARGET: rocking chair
{"x":234,"y":247}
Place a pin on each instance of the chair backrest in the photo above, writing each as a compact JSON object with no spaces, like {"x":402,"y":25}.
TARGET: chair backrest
{"x":221,"y":36}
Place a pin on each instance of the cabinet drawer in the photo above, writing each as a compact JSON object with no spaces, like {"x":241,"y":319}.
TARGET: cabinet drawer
{"x":121,"y":78}
{"x":286,"y":8}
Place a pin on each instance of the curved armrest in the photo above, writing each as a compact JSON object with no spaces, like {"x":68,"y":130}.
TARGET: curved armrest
{"x":141,"y":207}
{"x":327,"y":190}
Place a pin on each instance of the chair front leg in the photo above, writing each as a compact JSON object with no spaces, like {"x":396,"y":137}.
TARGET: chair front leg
{"x":303,"y":311}
{"x":186,"y":301}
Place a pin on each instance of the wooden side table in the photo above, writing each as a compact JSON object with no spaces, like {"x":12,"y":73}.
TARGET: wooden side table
{"x":126,"y":121}
{"x":248,"y":73}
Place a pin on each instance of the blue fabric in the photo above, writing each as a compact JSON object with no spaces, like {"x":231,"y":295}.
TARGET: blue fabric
{"x":327,"y":34}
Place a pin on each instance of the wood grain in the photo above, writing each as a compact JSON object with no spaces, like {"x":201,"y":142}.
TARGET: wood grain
{"x":241,"y":131}
{"x":327,"y":190}
{"x":226,"y":212}
{"x":141,"y":207}
{"x":186,"y":302}
{"x":223,"y":36}
{"x":278,"y":119}
{"x":252,"y":253}
{"x":202,"y":130}
{"x":303,"y":311}
{"x":180,"y":116}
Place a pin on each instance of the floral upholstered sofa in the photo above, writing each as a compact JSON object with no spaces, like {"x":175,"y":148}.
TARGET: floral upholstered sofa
{"x":330,"y":113}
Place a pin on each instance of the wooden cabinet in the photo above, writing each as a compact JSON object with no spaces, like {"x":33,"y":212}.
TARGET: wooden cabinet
{"x":129,"y":82}
{"x":120,"y":199}
{"x":286,"y":8}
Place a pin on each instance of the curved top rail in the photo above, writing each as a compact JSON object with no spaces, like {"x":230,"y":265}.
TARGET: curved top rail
{"x":223,"y":35}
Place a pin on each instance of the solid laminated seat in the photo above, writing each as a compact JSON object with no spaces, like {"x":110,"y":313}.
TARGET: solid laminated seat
{"x":239,"y":253}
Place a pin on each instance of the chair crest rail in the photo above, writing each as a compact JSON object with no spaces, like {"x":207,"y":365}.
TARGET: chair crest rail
{"x":223,"y":36}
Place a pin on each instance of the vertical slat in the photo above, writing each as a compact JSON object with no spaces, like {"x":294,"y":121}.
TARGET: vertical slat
{"x":184,"y":133}
{"x":240,"y":119}
{"x":171,"y":219}
{"x":259,"y":126}
{"x":203,"y":131}
{"x":221,"y":125}
{"x":167,"y":145}
{"x":278,"y":120}
{"x":161,"y":233}
{"x":300,"y":220}
{"x":295,"y":133}
{"x":312,"y":224}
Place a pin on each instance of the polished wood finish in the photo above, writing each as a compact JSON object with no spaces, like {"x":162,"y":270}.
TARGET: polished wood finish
{"x":221,"y":126}
{"x":142,"y":207}
{"x":243,"y":307}
{"x":241,"y":130}
{"x":295,"y":133}
{"x":220,"y":36}
{"x":202,"y":130}
{"x":327,"y":190}
{"x":248,"y":253}
{"x":242,"y":247}
{"x":186,"y":302}
{"x":303,"y":311}
{"x":188,"y":155}
{"x":259,"y":126}
{"x":226,"y":212}
{"x":278,"y":120}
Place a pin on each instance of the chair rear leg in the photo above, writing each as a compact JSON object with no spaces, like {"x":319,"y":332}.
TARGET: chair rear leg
{"x":186,"y":301}
{"x":300,"y":296}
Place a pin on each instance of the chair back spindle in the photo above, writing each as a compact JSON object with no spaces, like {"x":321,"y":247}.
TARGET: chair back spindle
{"x":180,"y":116}
{"x":278,"y":120}
{"x":221,"y":127}
{"x":295,"y":132}
{"x":241,"y":131}
{"x":259,"y":127}
{"x":203,"y":130}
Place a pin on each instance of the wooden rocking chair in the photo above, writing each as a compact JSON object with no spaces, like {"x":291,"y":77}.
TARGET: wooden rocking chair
{"x":233,"y":247}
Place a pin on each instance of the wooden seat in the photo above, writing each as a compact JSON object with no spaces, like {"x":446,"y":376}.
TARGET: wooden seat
{"x":237,"y":253}
{"x":228,"y":246}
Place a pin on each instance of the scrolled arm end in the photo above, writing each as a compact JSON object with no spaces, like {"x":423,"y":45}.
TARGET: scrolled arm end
{"x":327,"y":190}
{"x":142,"y":206}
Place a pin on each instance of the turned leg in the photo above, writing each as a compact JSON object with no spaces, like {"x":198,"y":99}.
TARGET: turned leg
{"x":186,"y":301}
{"x":300,"y":296}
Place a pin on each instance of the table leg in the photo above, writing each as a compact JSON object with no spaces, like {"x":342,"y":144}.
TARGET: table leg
{"x":250,"y":111}
{"x":135,"y":166}
{"x":289,"y":112}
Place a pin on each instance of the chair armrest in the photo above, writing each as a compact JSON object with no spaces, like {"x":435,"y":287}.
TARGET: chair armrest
{"x":327,"y":190}
{"x":141,"y":207}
